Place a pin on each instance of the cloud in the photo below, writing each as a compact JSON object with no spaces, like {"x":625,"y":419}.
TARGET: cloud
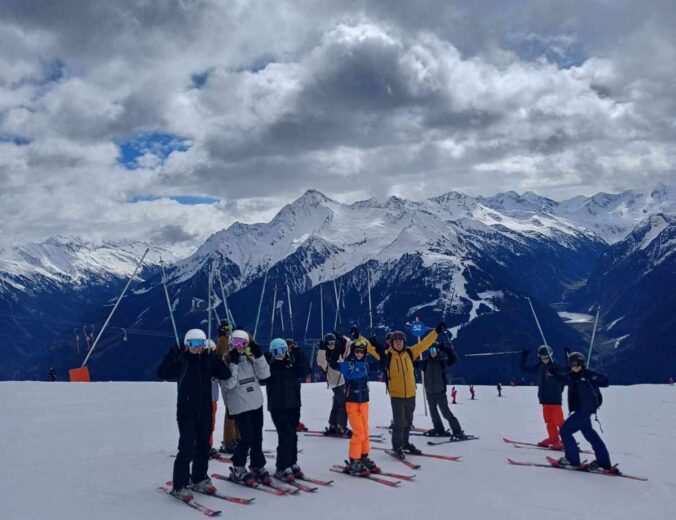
{"x":250,"y":103}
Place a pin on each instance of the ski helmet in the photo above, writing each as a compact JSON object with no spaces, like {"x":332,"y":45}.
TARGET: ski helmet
{"x":278,"y":347}
{"x":195,"y":338}
{"x":328,"y":338}
{"x":577,"y":359}
{"x":359,"y":344}
{"x":211,"y":345}
{"x":434,"y":349}
{"x":545,"y":351}
{"x":397,"y":334}
{"x":239,"y":338}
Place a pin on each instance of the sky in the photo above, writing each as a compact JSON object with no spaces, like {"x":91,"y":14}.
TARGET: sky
{"x":169,"y":120}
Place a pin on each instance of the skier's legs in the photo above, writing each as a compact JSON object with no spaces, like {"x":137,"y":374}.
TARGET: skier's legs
{"x":341,"y":411}
{"x":409,"y":408}
{"x":245,"y":427}
{"x":553,"y":416}
{"x":442,"y":402}
{"x":200,"y":463}
{"x":214,"y":407}
{"x":286,"y":433}
{"x":398,"y":422}
{"x":358,"y":433}
{"x":432,"y":401}
{"x":294,"y":414}
{"x":364,"y":415}
{"x":569,"y":427}
{"x":187,"y":431}
{"x":597,"y":444}
{"x":257,"y":457}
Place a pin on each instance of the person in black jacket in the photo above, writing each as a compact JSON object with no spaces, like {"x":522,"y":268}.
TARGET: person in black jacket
{"x":434,"y":367}
{"x":193,"y":366}
{"x":284,"y":402}
{"x":584,"y":398}
{"x":550,"y":390}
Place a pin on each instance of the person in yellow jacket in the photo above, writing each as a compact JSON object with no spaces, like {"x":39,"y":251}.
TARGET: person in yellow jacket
{"x":398,"y":363}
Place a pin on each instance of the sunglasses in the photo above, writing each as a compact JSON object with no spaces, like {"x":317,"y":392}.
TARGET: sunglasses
{"x":196,"y":343}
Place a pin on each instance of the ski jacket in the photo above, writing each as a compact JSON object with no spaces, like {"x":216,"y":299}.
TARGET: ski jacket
{"x":399,"y":367}
{"x":283,"y":387}
{"x":434,"y":369}
{"x":329,"y":361}
{"x":193,"y":373}
{"x":242,"y":390}
{"x":584,"y":394}
{"x":550,"y":387}
{"x":356,"y":374}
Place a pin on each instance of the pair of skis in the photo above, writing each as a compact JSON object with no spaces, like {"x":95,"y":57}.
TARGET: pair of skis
{"x":453,"y":439}
{"x":520,"y":444}
{"x":452,"y":458}
{"x":375,"y":477}
{"x":553,"y":463}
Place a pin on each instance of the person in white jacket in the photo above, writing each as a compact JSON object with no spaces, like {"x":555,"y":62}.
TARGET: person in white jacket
{"x":332,"y":351}
{"x":244,"y":400}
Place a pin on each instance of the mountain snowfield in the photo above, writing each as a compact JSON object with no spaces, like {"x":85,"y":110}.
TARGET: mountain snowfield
{"x":99,"y":450}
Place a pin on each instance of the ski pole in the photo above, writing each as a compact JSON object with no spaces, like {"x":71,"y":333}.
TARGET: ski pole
{"x":537,"y":321}
{"x":166,"y":294}
{"x":493,"y":353}
{"x":591,"y":343}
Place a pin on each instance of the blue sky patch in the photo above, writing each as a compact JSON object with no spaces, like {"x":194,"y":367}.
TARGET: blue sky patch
{"x":160,"y":145}
{"x":15,"y":139}
{"x":199,"y":80}
{"x":190,"y":200}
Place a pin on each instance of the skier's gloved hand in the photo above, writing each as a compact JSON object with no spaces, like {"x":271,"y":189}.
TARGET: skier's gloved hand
{"x":255,"y":349}
{"x":234,"y":356}
{"x":354,"y":332}
{"x":524,"y":353}
{"x":441,"y":327}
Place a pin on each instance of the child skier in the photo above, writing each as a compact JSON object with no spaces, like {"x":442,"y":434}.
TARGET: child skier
{"x":244,"y":400}
{"x":434,"y":368}
{"x":193,"y":366}
{"x":331,"y":353}
{"x":584,"y":398}
{"x":454,"y":395}
{"x":398,"y":363}
{"x":355,"y":370}
{"x":283,"y":391}
{"x":550,"y":390}
{"x":472,"y":391}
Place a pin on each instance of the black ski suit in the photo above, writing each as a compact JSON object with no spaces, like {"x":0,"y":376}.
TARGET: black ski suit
{"x":193,"y":409}
{"x":435,"y":387}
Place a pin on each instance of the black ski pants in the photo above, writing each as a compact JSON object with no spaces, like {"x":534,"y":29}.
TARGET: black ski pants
{"x":338,"y":415}
{"x":402,"y":420}
{"x":287,"y":443}
{"x":439,"y":401}
{"x":250,"y":426}
{"x":193,"y":446}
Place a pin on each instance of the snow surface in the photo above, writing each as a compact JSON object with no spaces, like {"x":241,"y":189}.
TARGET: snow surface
{"x":576,"y":317}
{"x":99,"y":450}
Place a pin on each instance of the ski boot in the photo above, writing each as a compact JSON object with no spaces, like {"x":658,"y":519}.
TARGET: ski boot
{"x":285,"y":475}
{"x":399,"y":453}
{"x":343,"y":432}
{"x":436,"y":432}
{"x":261,"y":475}
{"x":595,"y":466}
{"x":369,"y":464}
{"x":300,"y":427}
{"x":557,"y":445}
{"x":229,"y":450}
{"x":240,"y":474}
{"x":410,"y":448}
{"x":331,"y":431}
{"x":213,"y":453}
{"x":563,"y":461}
{"x":205,"y":486}
{"x":184,"y":494}
{"x":545,"y":443}
{"x":355,"y":468}
{"x":297,"y":472}
{"x":460,"y":436}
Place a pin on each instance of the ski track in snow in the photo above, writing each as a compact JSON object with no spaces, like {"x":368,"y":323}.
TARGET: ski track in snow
{"x":100,"y":450}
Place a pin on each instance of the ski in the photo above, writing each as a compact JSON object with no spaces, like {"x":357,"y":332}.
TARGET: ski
{"x":372,"y":439}
{"x":453,"y":458}
{"x":342,"y":469}
{"x":417,"y":430}
{"x":236,"y":500}
{"x":451,"y":440}
{"x":316,"y":481}
{"x":520,"y":444}
{"x":298,"y":485}
{"x":553,"y":463}
{"x":258,"y":486}
{"x":408,"y":463}
{"x":396,"y":475}
{"x":195,"y":505}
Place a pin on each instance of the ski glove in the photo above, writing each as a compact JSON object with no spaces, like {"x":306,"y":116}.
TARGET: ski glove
{"x":255,"y":349}
{"x":234,"y":356}
{"x":441,"y":327}
{"x":354,"y":332}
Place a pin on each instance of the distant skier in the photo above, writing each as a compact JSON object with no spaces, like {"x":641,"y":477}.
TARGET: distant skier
{"x":550,"y":390}
{"x":584,"y":399}
{"x":331,"y":353}
{"x":499,"y":390}
{"x":512,"y":382}
{"x":293,"y":347}
{"x":52,"y":374}
{"x":398,"y":360}
{"x":287,"y":366}
{"x":244,"y":399}
{"x":230,"y":431}
{"x":454,"y":395}
{"x":434,"y":368}
{"x":671,"y":381}
{"x":472,"y":391}
{"x":193,"y":366}
{"x":355,"y":370}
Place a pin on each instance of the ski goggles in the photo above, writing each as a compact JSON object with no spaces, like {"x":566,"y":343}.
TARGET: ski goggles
{"x":239,"y":342}
{"x":279,"y":351}
{"x":434,"y":350}
{"x":196,"y":343}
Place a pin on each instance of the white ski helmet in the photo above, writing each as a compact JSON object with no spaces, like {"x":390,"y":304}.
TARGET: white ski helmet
{"x":211,"y":345}
{"x":195,"y":334}
{"x":239,"y":338}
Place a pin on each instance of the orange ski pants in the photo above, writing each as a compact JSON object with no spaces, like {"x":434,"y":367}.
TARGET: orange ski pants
{"x":358,"y":415}
{"x":553,"y":415}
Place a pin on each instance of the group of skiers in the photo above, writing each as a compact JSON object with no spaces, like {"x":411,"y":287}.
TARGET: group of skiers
{"x":238,"y":367}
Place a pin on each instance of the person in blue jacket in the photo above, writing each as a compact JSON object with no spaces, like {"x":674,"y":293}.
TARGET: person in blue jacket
{"x":584,"y":399}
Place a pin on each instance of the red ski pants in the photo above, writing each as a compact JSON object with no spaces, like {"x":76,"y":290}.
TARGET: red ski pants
{"x":358,"y":414}
{"x":553,"y":415}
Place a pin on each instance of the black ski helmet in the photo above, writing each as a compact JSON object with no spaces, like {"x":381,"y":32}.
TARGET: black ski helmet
{"x":330,"y":337}
{"x":545,"y":351}
{"x":577,"y":358}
